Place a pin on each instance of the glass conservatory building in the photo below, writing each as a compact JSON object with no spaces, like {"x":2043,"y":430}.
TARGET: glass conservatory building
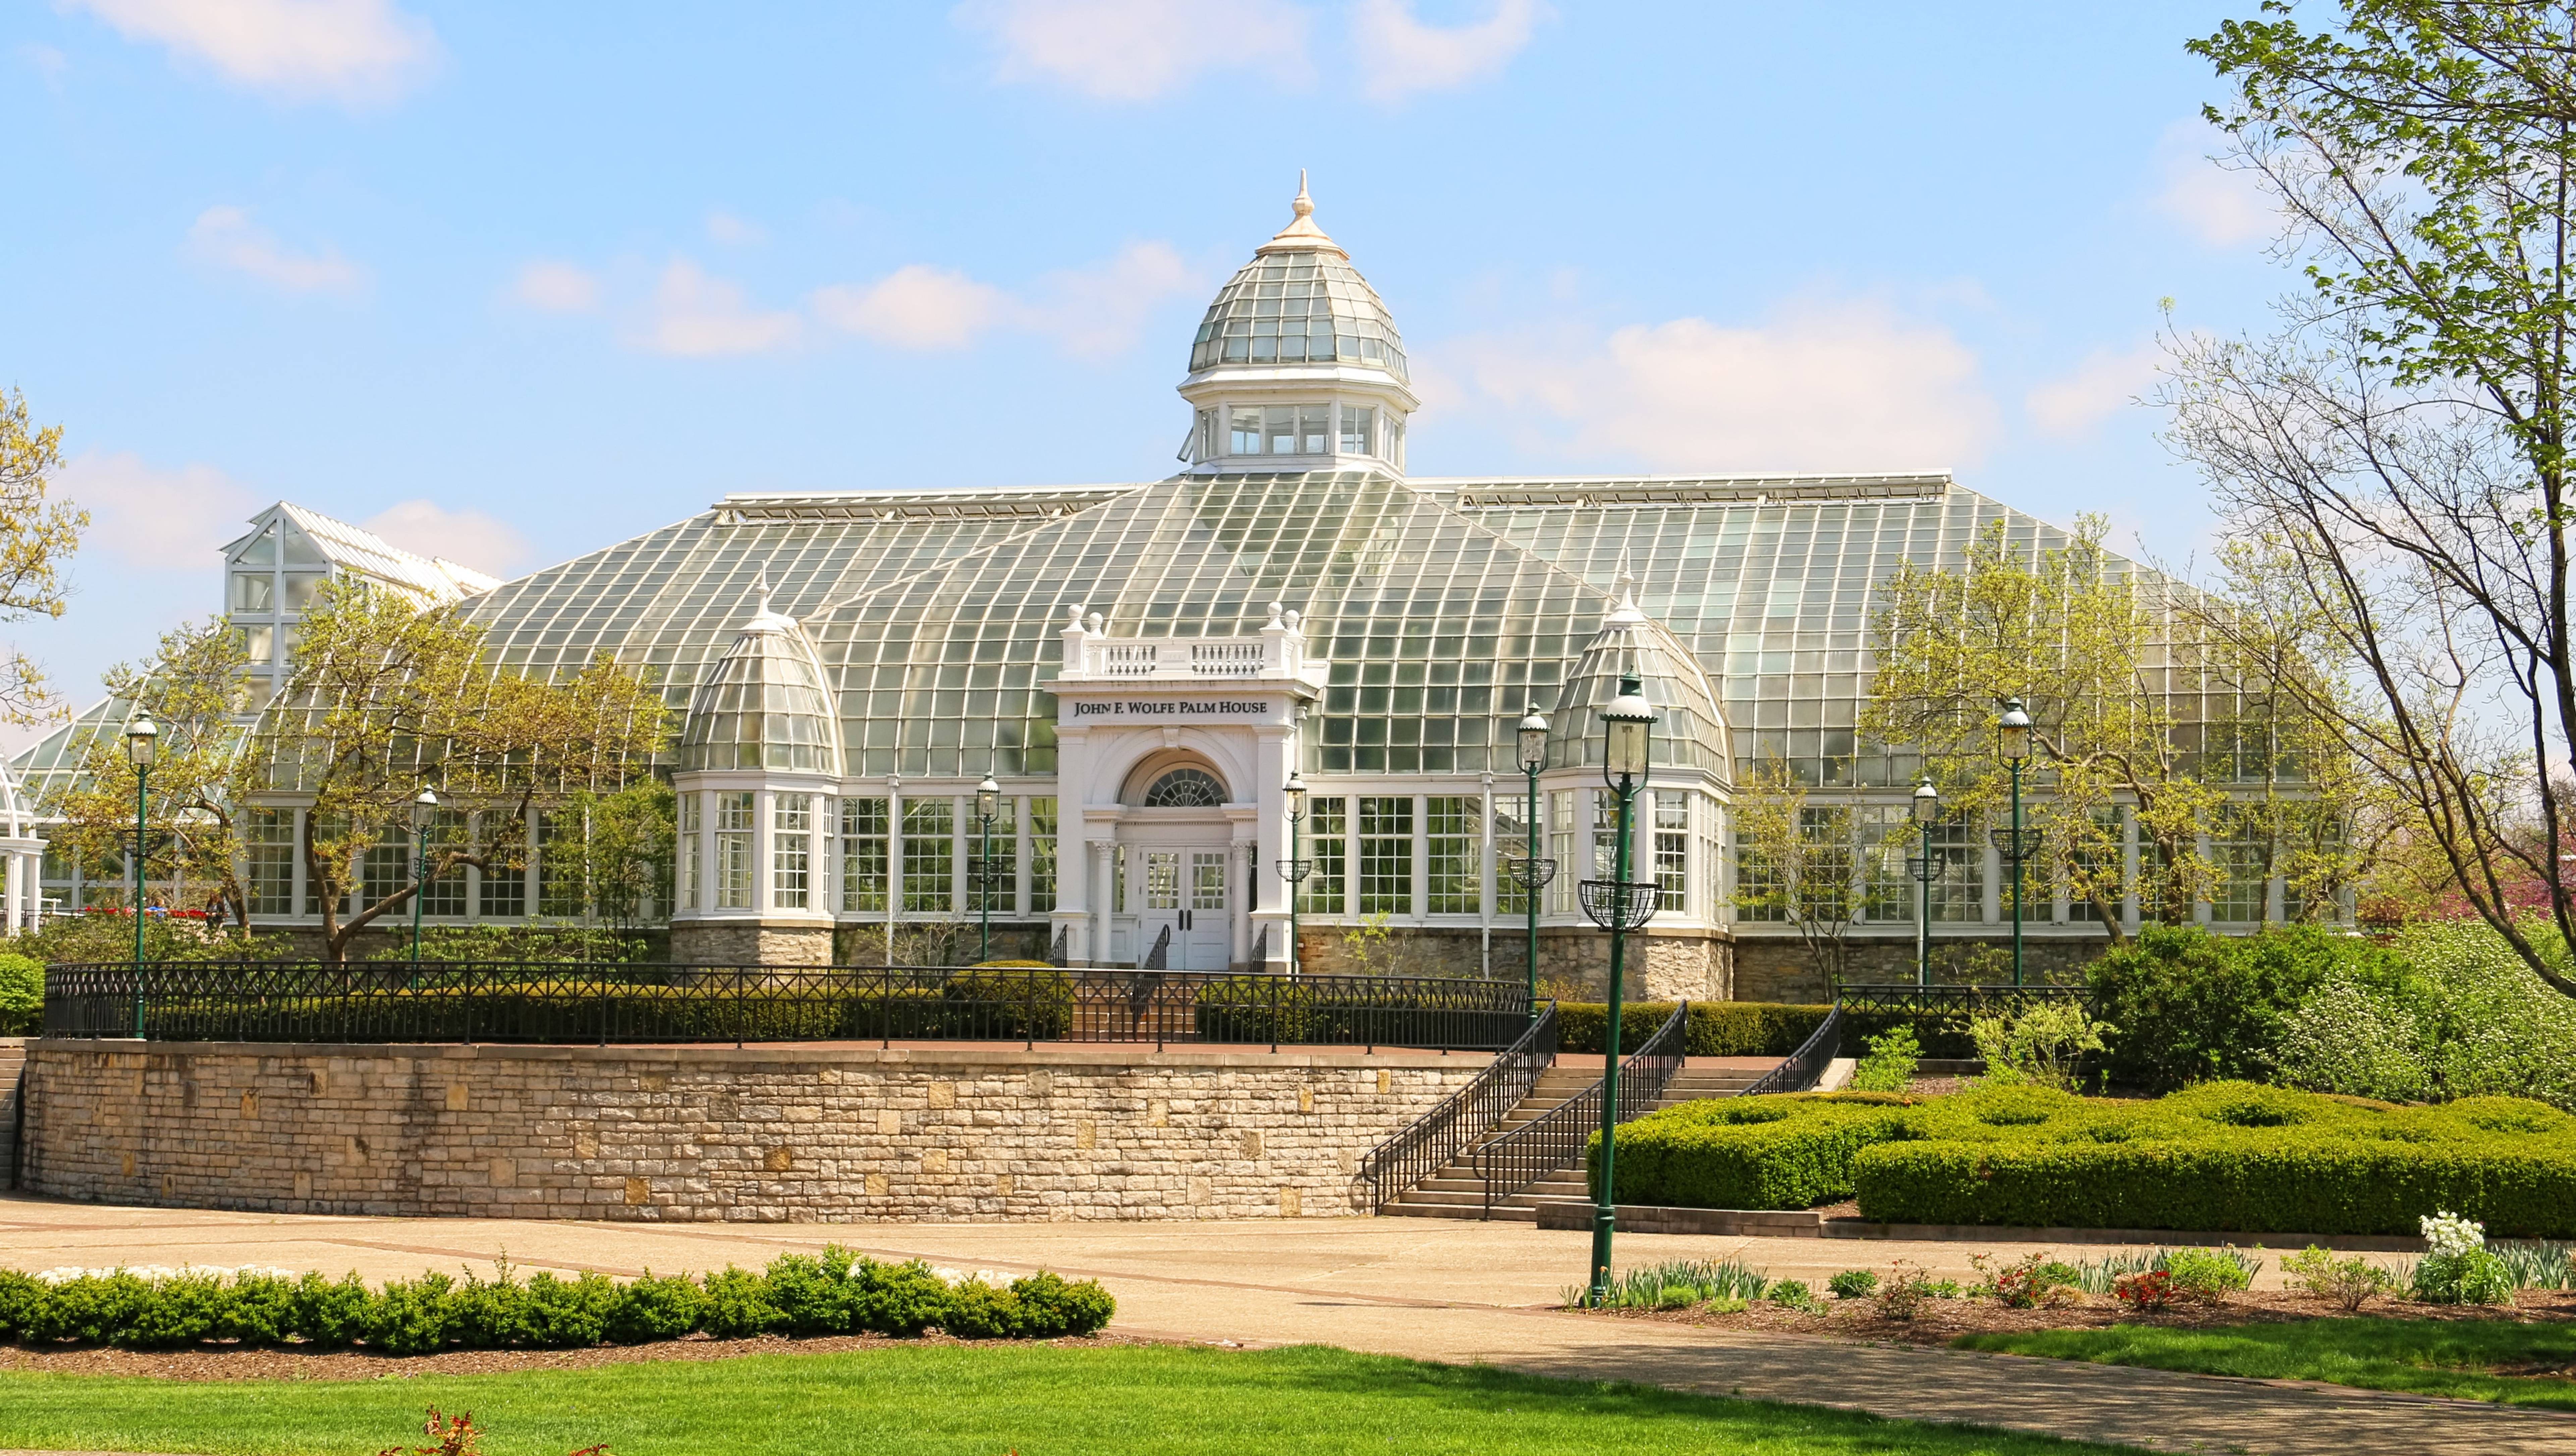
{"x":1141,"y":667}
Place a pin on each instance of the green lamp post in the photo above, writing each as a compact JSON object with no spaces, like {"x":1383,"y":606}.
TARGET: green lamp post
{"x":1294,"y":869}
{"x":423,"y":810}
{"x":2012,"y":742}
{"x":142,"y":741}
{"x":1618,"y":906}
{"x":1927,"y":810}
{"x":988,"y":807}
{"x":1532,"y":871}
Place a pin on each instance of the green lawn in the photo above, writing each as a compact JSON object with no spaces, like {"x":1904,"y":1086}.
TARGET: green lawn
{"x":934,"y":1400}
{"x":2428,"y":1357}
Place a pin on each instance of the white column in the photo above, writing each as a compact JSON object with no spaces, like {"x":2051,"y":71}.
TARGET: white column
{"x":1274,"y":756}
{"x":17,"y":893}
{"x":894,"y":859}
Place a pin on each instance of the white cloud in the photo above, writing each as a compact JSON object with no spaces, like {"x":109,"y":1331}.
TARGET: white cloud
{"x":467,"y":537}
{"x":46,"y":62}
{"x":1136,"y":50}
{"x":2224,"y":207}
{"x":151,"y":519}
{"x":1829,"y":385}
{"x":1399,"y":54}
{"x":1090,"y":312}
{"x":724,"y":227}
{"x":915,"y":307}
{"x":2107,"y":380}
{"x":356,"y":52}
{"x":697,"y":316}
{"x":227,"y":238}
{"x":552,"y":287}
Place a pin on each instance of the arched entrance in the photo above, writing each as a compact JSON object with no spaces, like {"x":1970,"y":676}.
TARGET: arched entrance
{"x":1177,"y":841}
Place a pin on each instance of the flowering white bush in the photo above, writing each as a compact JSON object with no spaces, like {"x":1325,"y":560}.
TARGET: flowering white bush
{"x":2448,"y":1236}
{"x":159,"y":1273}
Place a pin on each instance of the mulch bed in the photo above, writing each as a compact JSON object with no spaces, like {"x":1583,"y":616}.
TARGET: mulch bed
{"x":1943,"y":1320}
{"x":253,"y":1363}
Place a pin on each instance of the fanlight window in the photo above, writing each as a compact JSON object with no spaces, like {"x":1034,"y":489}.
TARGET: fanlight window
{"x":1186,"y":788}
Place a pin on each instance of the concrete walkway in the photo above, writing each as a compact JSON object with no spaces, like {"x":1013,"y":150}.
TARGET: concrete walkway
{"x":1424,"y":1289}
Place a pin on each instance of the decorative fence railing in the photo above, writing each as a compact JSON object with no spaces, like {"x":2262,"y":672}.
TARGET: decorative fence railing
{"x":1556,"y":1139}
{"x":1805,"y":1066}
{"x":602,"y":1003}
{"x":1959,"y":1001}
{"x":1427,"y":1146}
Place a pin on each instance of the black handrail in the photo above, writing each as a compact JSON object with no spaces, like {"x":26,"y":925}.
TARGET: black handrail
{"x":601,"y":1003}
{"x":1806,"y":1066}
{"x":1556,"y":1138}
{"x":1426,"y":1147}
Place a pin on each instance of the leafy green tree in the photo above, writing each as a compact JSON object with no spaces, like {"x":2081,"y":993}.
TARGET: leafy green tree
{"x":2402,"y":441}
{"x":37,"y":537}
{"x":386,"y":697}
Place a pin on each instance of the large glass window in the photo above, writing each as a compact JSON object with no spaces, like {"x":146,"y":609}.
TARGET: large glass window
{"x":1386,"y":855}
{"x":445,"y":895}
{"x":1761,"y":882}
{"x":1244,"y":422}
{"x":865,"y":827}
{"x":1280,"y":429}
{"x":271,"y":833}
{"x":929,"y":856}
{"x":560,"y":891}
{"x":1327,"y":830}
{"x":685,"y":861}
{"x":2244,"y":874}
{"x":1042,"y":852}
{"x":505,"y":887}
{"x":1511,"y":847}
{"x":254,"y":591}
{"x":1560,"y":840}
{"x":791,"y":850}
{"x":1359,"y":430}
{"x":733,"y":850}
{"x":1826,"y":880}
{"x":386,"y":867}
{"x":1960,"y":893}
{"x":1457,"y":863}
{"x":1314,"y":429}
{"x":994,"y":886}
{"x":1672,"y":851}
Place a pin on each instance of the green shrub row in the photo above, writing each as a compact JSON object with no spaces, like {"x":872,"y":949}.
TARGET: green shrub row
{"x":1319,"y":1012}
{"x":2230,"y":1156}
{"x":835,"y":1292}
{"x":1714,"y":1029}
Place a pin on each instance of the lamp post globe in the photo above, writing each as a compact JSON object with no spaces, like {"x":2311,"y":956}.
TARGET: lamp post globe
{"x":2012,"y":743}
{"x":1627,"y":734}
{"x":142,"y":743}
{"x":988,"y":807}
{"x":1533,"y":741}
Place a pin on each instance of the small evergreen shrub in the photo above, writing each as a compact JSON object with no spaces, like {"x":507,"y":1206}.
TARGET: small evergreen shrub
{"x":22,"y":995}
{"x":738,"y":1306}
{"x":656,"y":1308}
{"x":1051,"y":1306}
{"x":1853,"y":1284}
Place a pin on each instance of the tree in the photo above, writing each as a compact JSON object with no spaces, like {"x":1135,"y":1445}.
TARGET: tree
{"x":36,"y":538}
{"x":385,"y":698}
{"x":192,"y":689}
{"x":1795,"y":862}
{"x":2402,"y":440}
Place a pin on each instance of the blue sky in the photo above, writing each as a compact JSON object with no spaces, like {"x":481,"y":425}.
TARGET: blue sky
{"x":512,"y":282}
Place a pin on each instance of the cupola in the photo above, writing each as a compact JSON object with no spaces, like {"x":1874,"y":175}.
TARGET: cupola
{"x":1690,"y":730}
{"x":1297,"y":365}
{"x":763,"y":705}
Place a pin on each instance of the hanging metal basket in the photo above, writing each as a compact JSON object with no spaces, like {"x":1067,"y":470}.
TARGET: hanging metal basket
{"x":1295,"y":871}
{"x":1528,"y":873}
{"x":1621,"y":904}
{"x":2015,"y":846}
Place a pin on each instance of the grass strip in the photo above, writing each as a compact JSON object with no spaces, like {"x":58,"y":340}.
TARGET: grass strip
{"x":937,"y":1400}
{"x":2469,"y":1360}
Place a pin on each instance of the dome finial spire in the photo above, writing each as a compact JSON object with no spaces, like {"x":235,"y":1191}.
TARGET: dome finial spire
{"x":1301,"y":234}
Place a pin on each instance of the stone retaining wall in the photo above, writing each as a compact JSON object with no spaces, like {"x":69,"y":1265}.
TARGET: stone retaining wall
{"x":13,"y":1058}
{"x":824,"y":1133}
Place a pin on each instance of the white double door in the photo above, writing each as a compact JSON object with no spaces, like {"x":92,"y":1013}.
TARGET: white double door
{"x":1188,"y":895}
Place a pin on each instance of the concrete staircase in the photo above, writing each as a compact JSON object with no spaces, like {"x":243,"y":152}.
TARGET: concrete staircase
{"x":1454,"y":1191}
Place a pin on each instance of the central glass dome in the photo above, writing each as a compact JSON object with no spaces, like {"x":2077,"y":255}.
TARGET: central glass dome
{"x":1299,"y":301}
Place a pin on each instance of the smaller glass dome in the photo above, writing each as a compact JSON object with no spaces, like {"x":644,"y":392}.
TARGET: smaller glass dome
{"x":1690,"y":731}
{"x":763,"y":706}
{"x":1299,"y":301}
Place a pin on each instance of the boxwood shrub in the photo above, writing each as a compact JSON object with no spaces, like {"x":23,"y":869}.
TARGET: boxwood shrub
{"x":834,"y":1292}
{"x":2230,"y":1156}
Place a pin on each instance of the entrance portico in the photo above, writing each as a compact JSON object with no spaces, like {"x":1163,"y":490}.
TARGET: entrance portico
{"x":1171,"y":754}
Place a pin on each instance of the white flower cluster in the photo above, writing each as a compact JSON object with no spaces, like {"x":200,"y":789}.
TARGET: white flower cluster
{"x":994,"y":1277}
{"x":2447,"y":1235}
{"x":159,"y":1273}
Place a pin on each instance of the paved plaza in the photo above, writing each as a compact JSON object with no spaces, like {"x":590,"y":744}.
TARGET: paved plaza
{"x":1427,"y":1289}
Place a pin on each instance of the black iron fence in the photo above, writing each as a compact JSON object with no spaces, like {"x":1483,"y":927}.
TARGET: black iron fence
{"x":1427,"y":1146}
{"x":1805,"y":1066}
{"x":1960,"y":1002}
{"x":1556,"y":1139}
{"x":603,"y":1003}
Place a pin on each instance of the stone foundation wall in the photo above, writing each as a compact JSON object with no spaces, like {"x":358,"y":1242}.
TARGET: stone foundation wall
{"x":1693,"y":965}
{"x":750,"y":943}
{"x":1779,"y":967}
{"x":820,"y":1133}
{"x":13,"y":1060}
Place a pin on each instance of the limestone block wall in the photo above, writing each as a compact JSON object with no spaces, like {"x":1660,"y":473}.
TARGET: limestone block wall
{"x":1665,"y":965}
{"x":1779,"y":967}
{"x":13,"y":1059}
{"x":822,"y":1133}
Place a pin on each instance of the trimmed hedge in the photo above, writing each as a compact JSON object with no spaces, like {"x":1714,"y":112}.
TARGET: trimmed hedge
{"x":832,"y":1293}
{"x":2231,"y":1156}
{"x":1715,"y":1028}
